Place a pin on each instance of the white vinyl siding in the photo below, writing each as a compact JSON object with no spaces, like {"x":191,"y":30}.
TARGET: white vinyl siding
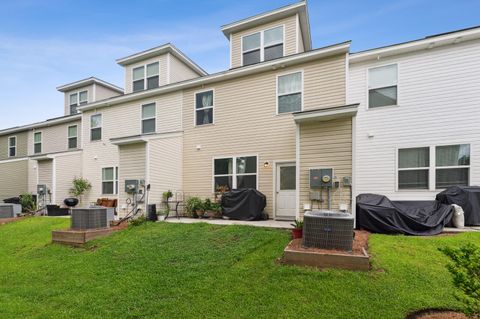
{"x":12,"y":146}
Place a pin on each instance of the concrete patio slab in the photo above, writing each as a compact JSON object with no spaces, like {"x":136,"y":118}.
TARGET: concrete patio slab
{"x":260,"y":223}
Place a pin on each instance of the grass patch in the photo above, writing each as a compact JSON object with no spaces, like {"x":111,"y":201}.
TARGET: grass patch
{"x":207,"y":271}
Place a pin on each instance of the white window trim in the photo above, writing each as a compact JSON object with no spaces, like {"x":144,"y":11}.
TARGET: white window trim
{"x":115,"y":180}
{"x":70,"y":137}
{"x":234,"y":170}
{"x":301,"y":90}
{"x":77,"y":93}
{"x":41,"y":142}
{"x":367,"y":106}
{"x":203,"y":108}
{"x":262,"y":45}
{"x":432,"y":168}
{"x":100,"y":127}
{"x":148,"y":118}
{"x":10,"y":147}
{"x":145,"y":77}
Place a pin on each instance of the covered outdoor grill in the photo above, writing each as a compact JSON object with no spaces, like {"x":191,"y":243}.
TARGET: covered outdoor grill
{"x":244,"y":204}
{"x":466,"y":197}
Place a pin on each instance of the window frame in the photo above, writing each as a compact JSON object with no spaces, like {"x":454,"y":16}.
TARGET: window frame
{"x":149,"y":118}
{"x":35,"y":143}
{"x":72,"y":137}
{"x":9,"y":147}
{"x":77,"y":93}
{"x":427,"y":168}
{"x":380,"y":87}
{"x":114,"y":181}
{"x":145,"y":77}
{"x":302,"y":91}
{"x":262,"y":44}
{"x":234,"y":170}
{"x":100,"y":127}
{"x":203,"y":108}
{"x":432,"y":169}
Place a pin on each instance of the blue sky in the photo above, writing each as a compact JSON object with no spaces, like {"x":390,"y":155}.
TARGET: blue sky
{"x":46,"y":43}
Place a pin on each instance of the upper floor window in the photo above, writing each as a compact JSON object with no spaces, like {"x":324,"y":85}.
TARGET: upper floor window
{"x":78,"y":99}
{"x":204,"y":108}
{"x":146,"y":80}
{"x":235,"y":172}
{"x":96,"y":127}
{"x":262,"y":46}
{"x":382,"y":86}
{"x":37,"y":143}
{"x":148,"y":118}
{"x":72,"y":137}
{"x":110,"y":181}
{"x":12,"y":146}
{"x":449,"y":163}
{"x":289,"y":92}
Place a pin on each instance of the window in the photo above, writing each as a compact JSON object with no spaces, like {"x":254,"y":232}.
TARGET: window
{"x":150,"y":77}
{"x":72,"y":137}
{"x":110,"y":180}
{"x":76,"y":99}
{"x":96,"y":127}
{"x":235,"y":172}
{"x":382,"y":86}
{"x":37,"y":143}
{"x":204,"y":108}
{"x":413,"y":168}
{"x":452,"y":165}
{"x":262,"y":46}
{"x":449,"y":164}
{"x":148,"y":118}
{"x":289,"y":92}
{"x":12,"y":146}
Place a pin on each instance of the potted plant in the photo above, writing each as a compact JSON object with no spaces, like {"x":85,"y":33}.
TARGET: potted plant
{"x":194,"y":206}
{"x":80,"y":187}
{"x":167,"y":195}
{"x":212,"y":209}
{"x":297,"y":231}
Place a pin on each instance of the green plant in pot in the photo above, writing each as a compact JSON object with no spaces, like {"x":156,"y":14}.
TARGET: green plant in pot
{"x":194,"y":207}
{"x":297,"y":231}
{"x":212,"y":209}
{"x":80,"y":187}
{"x":28,"y":203}
{"x":167,"y":195}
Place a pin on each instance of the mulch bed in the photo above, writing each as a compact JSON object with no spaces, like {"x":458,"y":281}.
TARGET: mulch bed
{"x":359,"y":243}
{"x":4,"y":221}
{"x":437,"y":314}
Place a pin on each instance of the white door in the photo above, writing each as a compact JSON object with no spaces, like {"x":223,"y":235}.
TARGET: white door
{"x":286,"y":192}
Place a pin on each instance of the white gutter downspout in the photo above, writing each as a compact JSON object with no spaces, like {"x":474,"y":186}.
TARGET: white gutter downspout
{"x":297,"y":169}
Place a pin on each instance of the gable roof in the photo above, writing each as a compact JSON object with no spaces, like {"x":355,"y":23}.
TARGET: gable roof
{"x":299,"y":8}
{"x":162,"y":49}
{"x":88,"y":81}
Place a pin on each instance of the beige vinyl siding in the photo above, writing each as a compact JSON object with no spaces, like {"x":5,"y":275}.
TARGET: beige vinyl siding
{"x":179,"y":71}
{"x":13,"y":178}
{"x":32,"y":176}
{"x":22,"y":145}
{"x":165,"y":167}
{"x":102,"y":92}
{"x":67,"y":167}
{"x":88,"y":88}
{"x":246,"y":123}
{"x":55,"y":138}
{"x":301,"y":47}
{"x":326,"y":145}
{"x":290,"y":36}
{"x":163,"y":80}
{"x":132,"y":166}
{"x":45,"y":173}
{"x":121,"y":121}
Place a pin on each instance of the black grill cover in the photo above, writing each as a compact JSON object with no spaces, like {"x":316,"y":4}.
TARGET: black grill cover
{"x":378,"y":214}
{"x":466,"y":197}
{"x":244,"y":204}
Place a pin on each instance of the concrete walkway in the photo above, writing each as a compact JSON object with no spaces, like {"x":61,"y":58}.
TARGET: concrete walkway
{"x":260,"y":223}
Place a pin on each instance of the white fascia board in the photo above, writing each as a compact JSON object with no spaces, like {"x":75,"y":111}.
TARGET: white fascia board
{"x":46,"y":123}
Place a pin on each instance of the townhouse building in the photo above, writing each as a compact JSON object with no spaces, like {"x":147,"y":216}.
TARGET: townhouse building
{"x":382,"y":121}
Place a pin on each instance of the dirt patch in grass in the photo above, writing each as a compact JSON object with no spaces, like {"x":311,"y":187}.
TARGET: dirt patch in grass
{"x":360,"y":243}
{"x":437,"y":314}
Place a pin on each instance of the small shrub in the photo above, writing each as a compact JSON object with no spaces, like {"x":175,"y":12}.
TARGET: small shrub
{"x":465,"y":269}
{"x":138,"y":221}
{"x":192,"y":205}
{"x":27,"y":202}
{"x":207,"y":204}
{"x":80,"y":187}
{"x":167,"y":195}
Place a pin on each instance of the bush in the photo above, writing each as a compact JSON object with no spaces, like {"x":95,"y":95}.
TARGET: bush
{"x":193,"y":204}
{"x":138,"y":221}
{"x":27,"y":202}
{"x":465,"y":269}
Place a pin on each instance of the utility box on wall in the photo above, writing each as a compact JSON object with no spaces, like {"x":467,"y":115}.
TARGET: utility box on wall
{"x":321,"y":177}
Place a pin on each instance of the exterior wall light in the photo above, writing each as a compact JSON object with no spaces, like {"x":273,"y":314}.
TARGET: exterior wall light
{"x":266,"y":164}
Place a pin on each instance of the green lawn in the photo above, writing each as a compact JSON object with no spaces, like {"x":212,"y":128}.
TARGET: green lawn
{"x":204,"y":271}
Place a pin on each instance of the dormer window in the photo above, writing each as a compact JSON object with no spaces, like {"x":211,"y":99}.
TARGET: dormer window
{"x":146,"y":80}
{"x":262,"y":46}
{"x":78,"y":99}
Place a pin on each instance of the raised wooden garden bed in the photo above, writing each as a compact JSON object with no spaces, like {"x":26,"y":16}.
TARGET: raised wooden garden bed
{"x":358,"y":259}
{"x":80,"y":237}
